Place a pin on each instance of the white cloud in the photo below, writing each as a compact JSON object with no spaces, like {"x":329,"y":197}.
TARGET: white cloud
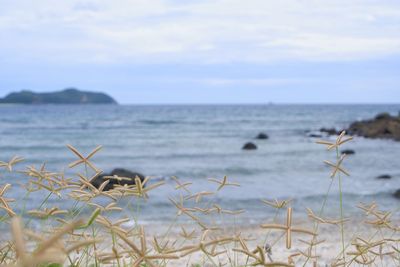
{"x":264,"y":82}
{"x":198,"y":31}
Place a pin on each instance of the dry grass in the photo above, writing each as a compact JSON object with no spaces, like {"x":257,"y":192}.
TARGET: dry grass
{"x":87,"y":234}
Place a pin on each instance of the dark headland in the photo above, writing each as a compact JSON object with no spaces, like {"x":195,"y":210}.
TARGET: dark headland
{"x":383,"y":126}
{"x":67,"y":96}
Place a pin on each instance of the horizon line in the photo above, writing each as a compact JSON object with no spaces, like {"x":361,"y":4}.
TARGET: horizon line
{"x":207,"y":104}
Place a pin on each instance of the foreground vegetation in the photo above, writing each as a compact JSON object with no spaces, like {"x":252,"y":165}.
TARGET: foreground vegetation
{"x":91,"y":234}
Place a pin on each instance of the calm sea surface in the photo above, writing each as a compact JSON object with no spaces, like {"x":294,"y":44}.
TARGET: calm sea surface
{"x":194,"y":143}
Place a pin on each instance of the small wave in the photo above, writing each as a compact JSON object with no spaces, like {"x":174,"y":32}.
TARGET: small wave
{"x":158,"y":122}
{"x":14,"y":121}
{"x":242,"y":171}
{"x":31,"y":147}
{"x":377,"y":195}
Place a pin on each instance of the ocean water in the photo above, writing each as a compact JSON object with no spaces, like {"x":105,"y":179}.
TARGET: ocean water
{"x":194,"y":143}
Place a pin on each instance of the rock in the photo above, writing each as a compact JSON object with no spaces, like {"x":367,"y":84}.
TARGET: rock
{"x":382,"y":126}
{"x":120,"y":173}
{"x":348,"y":152}
{"x":249,"y":146}
{"x":314,"y":135}
{"x":330,"y":131}
{"x":262,"y":136}
{"x":384,"y":176}
{"x":382,"y":116}
{"x":397,"y":194}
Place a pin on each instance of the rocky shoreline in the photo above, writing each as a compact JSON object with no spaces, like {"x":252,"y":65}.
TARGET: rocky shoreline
{"x":383,"y":126}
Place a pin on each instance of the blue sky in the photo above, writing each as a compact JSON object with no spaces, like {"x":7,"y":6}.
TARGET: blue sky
{"x":220,"y":51}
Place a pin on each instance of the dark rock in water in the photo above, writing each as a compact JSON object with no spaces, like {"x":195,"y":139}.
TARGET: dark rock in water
{"x":384,"y":176}
{"x":330,"y":131}
{"x":262,"y":136}
{"x":382,"y":126}
{"x":397,"y":194}
{"x":314,"y":135}
{"x":348,"y":152}
{"x":382,"y":116}
{"x":120,"y":173}
{"x":249,"y":146}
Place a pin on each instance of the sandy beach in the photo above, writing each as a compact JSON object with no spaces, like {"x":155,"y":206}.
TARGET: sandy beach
{"x":325,"y":254}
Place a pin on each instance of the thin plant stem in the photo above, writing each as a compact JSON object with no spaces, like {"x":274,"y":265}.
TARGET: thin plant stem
{"x":341,"y":209}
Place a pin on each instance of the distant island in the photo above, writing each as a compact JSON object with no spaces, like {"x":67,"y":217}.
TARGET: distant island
{"x":67,"y":96}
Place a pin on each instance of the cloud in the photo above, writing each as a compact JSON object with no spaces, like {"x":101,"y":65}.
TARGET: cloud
{"x":204,"y":32}
{"x":263,"y":82}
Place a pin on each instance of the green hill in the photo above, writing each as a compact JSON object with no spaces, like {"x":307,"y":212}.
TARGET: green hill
{"x":67,"y":96}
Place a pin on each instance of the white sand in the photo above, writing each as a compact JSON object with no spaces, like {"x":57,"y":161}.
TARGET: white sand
{"x":327,"y":251}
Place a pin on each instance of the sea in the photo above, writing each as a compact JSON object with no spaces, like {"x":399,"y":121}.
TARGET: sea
{"x":198,"y":142}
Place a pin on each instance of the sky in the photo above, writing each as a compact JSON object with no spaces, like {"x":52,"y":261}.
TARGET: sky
{"x":200,"y":52}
